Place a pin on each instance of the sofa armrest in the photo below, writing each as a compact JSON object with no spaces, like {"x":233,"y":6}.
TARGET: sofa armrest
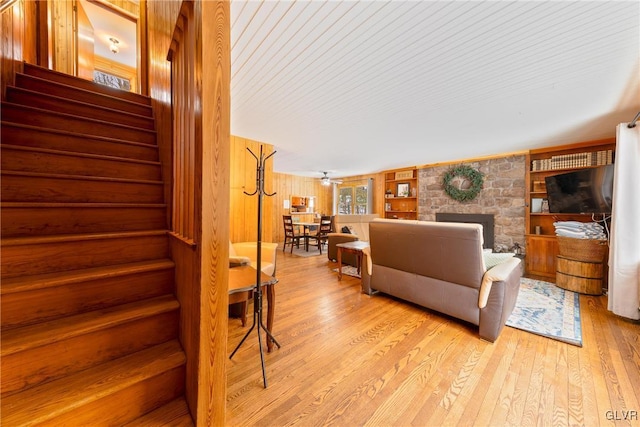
{"x":495,"y":274}
{"x":501,"y":300}
{"x":334,"y":239}
{"x":366,"y":269}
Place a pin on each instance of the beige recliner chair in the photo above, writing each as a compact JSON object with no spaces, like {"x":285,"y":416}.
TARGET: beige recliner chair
{"x":246,"y":253}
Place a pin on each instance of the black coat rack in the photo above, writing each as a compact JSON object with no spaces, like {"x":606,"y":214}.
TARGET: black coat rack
{"x":257,"y":293}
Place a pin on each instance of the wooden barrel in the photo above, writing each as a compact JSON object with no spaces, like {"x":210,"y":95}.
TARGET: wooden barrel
{"x":585,"y":277}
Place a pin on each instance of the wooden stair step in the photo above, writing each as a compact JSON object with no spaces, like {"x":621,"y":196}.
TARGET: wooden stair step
{"x":46,"y":101}
{"x":32,"y":336}
{"x":65,"y":140}
{"x":42,"y":281}
{"x":43,"y":160}
{"x":35,"y":255}
{"x":56,"y":76}
{"x":30,"y":299}
{"x":175,"y":414}
{"x":33,"y":116}
{"x":59,"y":188}
{"x":73,"y":343}
{"x":79,"y":94}
{"x":96,"y":395}
{"x":29,"y":219}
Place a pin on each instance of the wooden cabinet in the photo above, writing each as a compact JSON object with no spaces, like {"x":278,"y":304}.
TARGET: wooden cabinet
{"x":541,"y":256}
{"x":401,"y":194}
{"x":540,"y":237}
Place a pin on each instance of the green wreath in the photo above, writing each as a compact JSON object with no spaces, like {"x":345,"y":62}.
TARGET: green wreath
{"x":470,"y":174}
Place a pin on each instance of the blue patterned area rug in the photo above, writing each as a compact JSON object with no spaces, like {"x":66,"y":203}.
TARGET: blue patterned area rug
{"x":545,"y":309}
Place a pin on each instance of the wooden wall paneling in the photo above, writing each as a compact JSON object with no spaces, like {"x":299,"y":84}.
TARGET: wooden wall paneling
{"x":126,"y":8}
{"x":42,"y":33}
{"x":237,"y":176}
{"x":243,"y":210}
{"x":21,"y":35}
{"x":86,"y":61}
{"x":63,"y":37}
{"x":13,"y":39}
{"x":161,"y":17}
{"x":287,"y":185}
{"x":9,"y":41}
{"x":29,"y":46}
{"x":216,"y":124}
{"x":143,"y":46}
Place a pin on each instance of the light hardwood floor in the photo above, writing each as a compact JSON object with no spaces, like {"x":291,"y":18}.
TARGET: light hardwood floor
{"x":348,"y":359}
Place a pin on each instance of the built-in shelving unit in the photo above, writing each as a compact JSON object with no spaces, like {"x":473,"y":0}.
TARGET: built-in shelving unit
{"x":542,"y":247}
{"x":401,"y":194}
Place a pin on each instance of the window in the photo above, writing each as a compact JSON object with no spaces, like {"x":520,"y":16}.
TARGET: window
{"x":354,"y":197}
{"x":362,"y":200}
{"x":345,"y":200}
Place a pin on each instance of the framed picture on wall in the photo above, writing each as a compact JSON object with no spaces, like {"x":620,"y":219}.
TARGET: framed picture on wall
{"x":403,"y":190}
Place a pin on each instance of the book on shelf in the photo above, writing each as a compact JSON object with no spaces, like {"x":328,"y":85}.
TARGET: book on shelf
{"x":573,"y":160}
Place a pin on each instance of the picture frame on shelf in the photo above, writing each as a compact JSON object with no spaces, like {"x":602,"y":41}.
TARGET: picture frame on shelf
{"x":536,"y":205}
{"x":403,"y":190}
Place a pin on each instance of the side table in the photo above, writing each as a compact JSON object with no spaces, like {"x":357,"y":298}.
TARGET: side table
{"x":356,"y":248}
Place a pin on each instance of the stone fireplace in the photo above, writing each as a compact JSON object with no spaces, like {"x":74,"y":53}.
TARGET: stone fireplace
{"x":486,"y":220}
{"x":502,"y":197}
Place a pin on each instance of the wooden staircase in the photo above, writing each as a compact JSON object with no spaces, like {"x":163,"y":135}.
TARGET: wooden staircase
{"x":89,"y":317}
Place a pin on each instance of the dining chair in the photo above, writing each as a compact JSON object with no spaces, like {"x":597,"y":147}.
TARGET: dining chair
{"x":291,"y":237}
{"x":321,"y":236}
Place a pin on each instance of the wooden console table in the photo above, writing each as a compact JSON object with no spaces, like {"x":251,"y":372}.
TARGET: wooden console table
{"x":356,"y":248}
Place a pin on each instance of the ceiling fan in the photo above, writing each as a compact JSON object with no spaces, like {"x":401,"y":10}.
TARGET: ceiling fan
{"x":325,"y":180}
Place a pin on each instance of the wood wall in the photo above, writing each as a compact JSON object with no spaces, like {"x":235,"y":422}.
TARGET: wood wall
{"x":201,"y":270}
{"x":124,"y":7}
{"x":215,"y":75}
{"x":291,"y":185}
{"x":243,"y":210}
{"x":161,"y":17}
{"x":62,"y":36}
{"x":18,"y":22}
{"x":287,"y":185}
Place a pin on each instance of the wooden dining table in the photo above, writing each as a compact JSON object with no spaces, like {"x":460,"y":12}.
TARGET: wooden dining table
{"x":242,"y":282}
{"x":306,"y":229}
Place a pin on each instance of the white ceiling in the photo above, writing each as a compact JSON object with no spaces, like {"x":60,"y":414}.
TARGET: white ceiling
{"x":356,"y":87}
{"x":106,"y":25}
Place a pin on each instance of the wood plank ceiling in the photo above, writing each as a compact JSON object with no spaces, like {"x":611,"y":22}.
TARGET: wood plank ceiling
{"x":356,"y":87}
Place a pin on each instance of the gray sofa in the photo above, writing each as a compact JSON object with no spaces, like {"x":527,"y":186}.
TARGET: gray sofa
{"x":441,"y":266}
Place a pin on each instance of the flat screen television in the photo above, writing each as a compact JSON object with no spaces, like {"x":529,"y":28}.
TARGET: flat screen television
{"x":584,"y":191}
